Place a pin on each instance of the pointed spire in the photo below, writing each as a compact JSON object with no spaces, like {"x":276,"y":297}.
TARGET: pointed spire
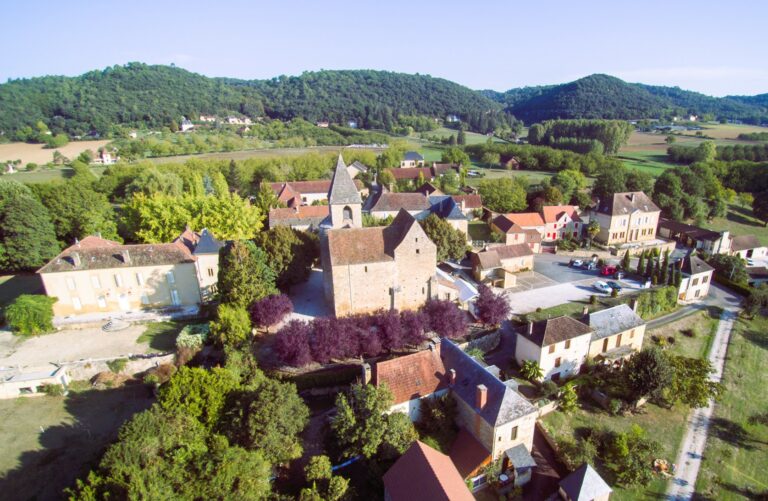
{"x":343,"y":189}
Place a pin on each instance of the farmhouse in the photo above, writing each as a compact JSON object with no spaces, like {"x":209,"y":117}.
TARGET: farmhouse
{"x":697,"y":275}
{"x":497,"y":265}
{"x":412,"y":159}
{"x":295,"y":193}
{"x":617,"y":332}
{"x":368,"y":269}
{"x":516,"y":234}
{"x":387,"y":204}
{"x":747,"y":247}
{"x":627,"y":218}
{"x":559,"y":345}
{"x":561,"y":221}
{"x":712,"y":242}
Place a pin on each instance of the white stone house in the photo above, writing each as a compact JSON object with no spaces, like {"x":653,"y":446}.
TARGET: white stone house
{"x":559,"y":345}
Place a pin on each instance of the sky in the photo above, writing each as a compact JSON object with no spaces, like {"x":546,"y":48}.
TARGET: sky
{"x":713,"y":47}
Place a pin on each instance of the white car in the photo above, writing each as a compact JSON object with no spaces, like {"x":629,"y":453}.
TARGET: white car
{"x":601,"y":286}
{"x":750,"y":261}
{"x":577,"y":263}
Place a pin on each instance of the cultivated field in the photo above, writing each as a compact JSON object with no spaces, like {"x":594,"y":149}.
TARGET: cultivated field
{"x":260,"y":153}
{"x":35,"y":153}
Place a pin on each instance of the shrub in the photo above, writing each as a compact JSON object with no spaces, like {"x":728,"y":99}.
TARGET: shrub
{"x":117,"y":365}
{"x":30,"y":314}
{"x":193,"y":337}
{"x":614,"y":406}
{"x":476,"y":353}
{"x":232,"y":326}
{"x":445,"y":318}
{"x":270,"y":310}
{"x":52,"y":390}
{"x":491,"y":308}
{"x":592,"y":299}
{"x":671,"y":340}
{"x":549,"y":390}
{"x":692,"y":332}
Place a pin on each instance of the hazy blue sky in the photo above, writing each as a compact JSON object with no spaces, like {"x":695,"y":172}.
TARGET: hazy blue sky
{"x":715,"y":47}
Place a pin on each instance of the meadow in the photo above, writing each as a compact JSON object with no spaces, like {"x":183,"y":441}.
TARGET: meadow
{"x":36,"y":153}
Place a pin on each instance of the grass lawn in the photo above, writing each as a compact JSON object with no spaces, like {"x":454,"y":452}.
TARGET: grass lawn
{"x":736,"y":457}
{"x":652,"y":162}
{"x":161,"y":336}
{"x":667,"y":426}
{"x":479,"y":230}
{"x":534,"y":176}
{"x":48,"y":442}
{"x":740,"y":221}
{"x":47,"y":175}
{"x":12,"y":286}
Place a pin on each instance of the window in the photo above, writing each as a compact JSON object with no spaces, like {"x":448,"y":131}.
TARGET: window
{"x":417,"y":239}
{"x":697,"y":293}
{"x":417,"y":251}
{"x":211,"y":272}
{"x":423,"y":290}
{"x":513,"y":435}
{"x":558,"y":360}
{"x":118,"y":280}
{"x":618,"y":340}
{"x":175,"y":297}
{"x":76,"y":304}
{"x":347,"y":212}
{"x":102,"y":302}
{"x":704,"y":279}
{"x":695,"y":282}
{"x":170,"y":278}
{"x":632,"y":334}
{"x":366,"y":269}
{"x":499,"y":438}
{"x":605,"y":345}
{"x":139,"y":278}
{"x":95,"y":282}
{"x":144,"y":299}
{"x":551,"y":348}
{"x":70,"y":283}
{"x":567,"y":343}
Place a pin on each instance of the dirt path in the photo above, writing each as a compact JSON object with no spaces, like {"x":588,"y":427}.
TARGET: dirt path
{"x":683,"y":485}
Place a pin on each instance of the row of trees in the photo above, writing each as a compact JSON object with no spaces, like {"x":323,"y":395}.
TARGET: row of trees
{"x":531,"y":157}
{"x":582,"y":136}
{"x":707,"y":151}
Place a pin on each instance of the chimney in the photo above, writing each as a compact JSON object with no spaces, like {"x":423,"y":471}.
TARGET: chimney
{"x":632,"y":197}
{"x":452,"y":376}
{"x":366,"y":373}
{"x":633,"y":304}
{"x":585,"y":312}
{"x":481,"y":396}
{"x":530,"y":327}
{"x":76,"y":259}
{"x":126,"y":256}
{"x":463,"y":205}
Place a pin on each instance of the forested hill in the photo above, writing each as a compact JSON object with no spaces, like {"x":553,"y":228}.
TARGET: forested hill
{"x":604,"y":96}
{"x":138,"y":94}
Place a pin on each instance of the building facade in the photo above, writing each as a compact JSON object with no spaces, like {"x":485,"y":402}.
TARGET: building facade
{"x":627,"y":218}
{"x":696,"y":279}
{"x":559,"y":345}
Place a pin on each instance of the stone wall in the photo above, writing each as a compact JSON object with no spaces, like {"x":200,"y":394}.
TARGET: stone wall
{"x":86,"y":369}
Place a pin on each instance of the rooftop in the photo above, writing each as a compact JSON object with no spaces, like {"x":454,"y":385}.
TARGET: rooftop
{"x":745,"y":242}
{"x":554,"y":330}
{"x":299,"y":215}
{"x":343,"y":190}
{"x":693,"y":265}
{"x":412,"y":376}
{"x":627,"y":203}
{"x":493,"y":257}
{"x":613,"y":320}
{"x":470,"y":201}
{"x":412,"y":173}
{"x":467,"y":453}
{"x":388,"y":202}
{"x":689,"y":230}
{"x":423,"y":473}
{"x":413,"y":155}
{"x":525,"y":219}
{"x":585,"y":484}
{"x":553,"y":213}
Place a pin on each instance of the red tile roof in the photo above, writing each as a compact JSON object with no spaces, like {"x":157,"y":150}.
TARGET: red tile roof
{"x":412,"y":173}
{"x":422,"y":474}
{"x":470,"y":201}
{"x":554,"y":212}
{"x":468,"y":454}
{"x":411,"y":376}
{"x":300,"y":212}
{"x":525,"y":219}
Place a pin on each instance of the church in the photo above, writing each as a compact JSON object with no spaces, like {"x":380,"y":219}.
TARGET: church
{"x":377,"y":268}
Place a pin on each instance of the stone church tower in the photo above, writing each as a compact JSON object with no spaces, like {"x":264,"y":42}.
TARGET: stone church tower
{"x":344,"y":200}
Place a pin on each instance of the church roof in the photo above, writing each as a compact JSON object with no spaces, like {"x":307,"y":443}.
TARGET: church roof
{"x":343,"y":189}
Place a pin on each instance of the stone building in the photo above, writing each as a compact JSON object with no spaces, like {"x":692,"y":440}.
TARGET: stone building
{"x":559,"y":345}
{"x":696,"y":278}
{"x":368,"y":269}
{"x":626,"y":218}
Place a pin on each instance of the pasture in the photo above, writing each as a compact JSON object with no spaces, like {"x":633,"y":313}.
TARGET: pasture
{"x":36,"y":153}
{"x":740,"y":221}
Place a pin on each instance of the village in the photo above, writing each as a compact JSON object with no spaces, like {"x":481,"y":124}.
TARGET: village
{"x":550,"y":302}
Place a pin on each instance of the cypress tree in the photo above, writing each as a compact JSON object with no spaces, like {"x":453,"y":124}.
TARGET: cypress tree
{"x":664,"y":268}
{"x":641,"y":264}
{"x":626,"y":261}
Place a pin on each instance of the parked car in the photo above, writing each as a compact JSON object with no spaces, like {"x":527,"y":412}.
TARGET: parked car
{"x":607,"y":271}
{"x":589,"y":265}
{"x":576,"y":263}
{"x":601,"y":286}
{"x":614,"y":285}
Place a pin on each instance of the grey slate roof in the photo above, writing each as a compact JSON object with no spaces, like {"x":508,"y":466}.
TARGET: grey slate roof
{"x":555,"y":330}
{"x":343,"y":189}
{"x":745,"y":242}
{"x":413,"y":155}
{"x":626,"y":203}
{"x":611,"y":321}
{"x":207,"y":243}
{"x":503,"y":404}
{"x":520,"y":457}
{"x":693,"y":265}
{"x":585,"y":484}
{"x":445,"y":207}
{"x":359,"y":166}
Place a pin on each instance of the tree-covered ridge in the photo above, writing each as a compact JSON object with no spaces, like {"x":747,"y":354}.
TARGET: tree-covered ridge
{"x":604,"y":96}
{"x":137,"y":95}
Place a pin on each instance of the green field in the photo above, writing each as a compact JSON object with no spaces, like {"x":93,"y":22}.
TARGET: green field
{"x":667,"y":426}
{"x":736,"y":457}
{"x":533,"y":176}
{"x":652,"y":162}
{"x":740,"y":221}
{"x":46,"y":175}
{"x":161,"y":336}
{"x":48,"y":442}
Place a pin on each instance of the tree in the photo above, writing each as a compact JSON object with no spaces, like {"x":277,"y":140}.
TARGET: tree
{"x":268,"y":416}
{"x":324,"y":486}
{"x":244,"y":274}
{"x":610,"y":180}
{"x":291,"y":253}
{"x":648,"y":373}
{"x":730,"y":267}
{"x":626,"y":261}
{"x":568,"y":399}
{"x":760,"y":207}
{"x":451,"y":242}
{"x":27,"y":237}
{"x":531,"y":370}
{"x":628,"y":455}
{"x":491,"y":308}
{"x":266,"y":200}
{"x":691,"y":384}
{"x":198,"y":393}
{"x":504,"y":195}
{"x":491,"y":159}
{"x":706,"y":151}
{"x":232,"y":326}
{"x":292,"y":344}
{"x":445,"y":318}
{"x":30,"y":314}
{"x":670,"y":139}
{"x":362,"y":426}
{"x":757,"y":300}
{"x":745,"y":199}
{"x":455,"y":155}
{"x":462,"y":137}
{"x":270,"y":310}
{"x":593,"y":229}
{"x":641,"y":264}
{"x":663,"y":278}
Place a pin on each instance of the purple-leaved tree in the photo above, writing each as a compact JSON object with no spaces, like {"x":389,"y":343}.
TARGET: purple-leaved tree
{"x":390,"y":330}
{"x":292,"y":343}
{"x":413,"y":325}
{"x":270,"y":310}
{"x":445,"y":318}
{"x":491,"y":308}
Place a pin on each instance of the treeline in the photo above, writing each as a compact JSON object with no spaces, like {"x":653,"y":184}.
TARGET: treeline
{"x":688,"y":154}
{"x":529,"y":157}
{"x":581,"y":136}
{"x":139,"y":95}
{"x":754,"y":136}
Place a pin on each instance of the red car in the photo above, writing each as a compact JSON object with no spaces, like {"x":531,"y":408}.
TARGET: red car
{"x":608,"y":271}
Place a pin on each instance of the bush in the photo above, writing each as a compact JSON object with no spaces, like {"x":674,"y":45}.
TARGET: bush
{"x":232,"y":326}
{"x":615,"y":406}
{"x":193,"y":337}
{"x":549,"y":390}
{"x":270,"y":310}
{"x":692,"y":332}
{"x":52,"y":390}
{"x":30,"y":314}
{"x":117,"y":365}
{"x":671,"y":340}
{"x":592,"y":299}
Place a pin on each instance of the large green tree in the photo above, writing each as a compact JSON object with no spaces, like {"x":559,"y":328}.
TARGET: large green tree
{"x":245,"y":274}
{"x":291,"y":253}
{"x":504,"y":195}
{"x":27,"y":236}
{"x":451,"y":242}
{"x":198,"y":393}
{"x":648,"y":373}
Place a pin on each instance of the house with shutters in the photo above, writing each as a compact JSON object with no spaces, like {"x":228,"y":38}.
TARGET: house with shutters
{"x":383,"y":204}
{"x":696,"y":279}
{"x":561,"y":222}
{"x":629,"y":217}
{"x":514,"y":234}
{"x":412,"y":159}
{"x":296,"y":193}
{"x":495,"y":421}
{"x":617,"y":332}
{"x":559,"y":345}
{"x":369,"y":269}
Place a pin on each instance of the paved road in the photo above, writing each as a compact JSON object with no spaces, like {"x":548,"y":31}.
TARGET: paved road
{"x":683,"y":484}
